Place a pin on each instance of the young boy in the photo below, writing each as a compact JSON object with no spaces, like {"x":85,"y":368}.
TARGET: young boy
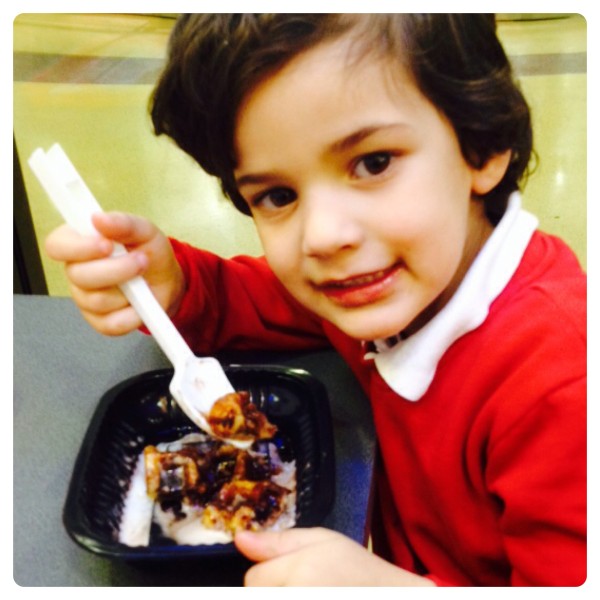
{"x":380,"y":158}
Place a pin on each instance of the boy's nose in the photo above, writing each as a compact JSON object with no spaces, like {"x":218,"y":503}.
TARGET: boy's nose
{"x":329,"y":225}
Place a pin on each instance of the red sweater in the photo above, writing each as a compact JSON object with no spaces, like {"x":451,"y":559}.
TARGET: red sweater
{"x":483,"y":480}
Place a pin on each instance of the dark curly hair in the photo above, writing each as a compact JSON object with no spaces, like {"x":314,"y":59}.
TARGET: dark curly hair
{"x":456,"y":60}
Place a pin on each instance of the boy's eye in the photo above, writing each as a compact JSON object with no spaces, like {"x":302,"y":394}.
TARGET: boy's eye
{"x":275,"y":198}
{"x":372,"y":164}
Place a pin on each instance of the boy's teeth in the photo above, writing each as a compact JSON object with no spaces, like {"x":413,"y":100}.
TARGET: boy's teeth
{"x":360,"y":280}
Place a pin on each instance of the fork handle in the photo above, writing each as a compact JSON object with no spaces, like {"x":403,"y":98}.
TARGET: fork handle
{"x":77,"y":204}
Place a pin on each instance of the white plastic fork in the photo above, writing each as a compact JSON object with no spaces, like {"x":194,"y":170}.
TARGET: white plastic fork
{"x":197,"y":382}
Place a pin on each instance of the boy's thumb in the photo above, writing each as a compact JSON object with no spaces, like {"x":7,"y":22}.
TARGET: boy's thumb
{"x":123,"y":227}
{"x":264,"y":545}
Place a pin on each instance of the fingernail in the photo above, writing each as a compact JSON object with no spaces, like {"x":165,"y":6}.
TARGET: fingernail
{"x":105,"y":246}
{"x":142,"y":260}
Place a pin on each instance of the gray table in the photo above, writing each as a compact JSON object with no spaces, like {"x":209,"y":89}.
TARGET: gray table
{"x":61,"y":369}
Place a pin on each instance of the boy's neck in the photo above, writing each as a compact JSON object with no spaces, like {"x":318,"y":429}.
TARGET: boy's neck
{"x":480,"y":232}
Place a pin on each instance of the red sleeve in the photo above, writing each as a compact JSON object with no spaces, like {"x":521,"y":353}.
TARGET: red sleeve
{"x":535,"y":459}
{"x":238,"y":304}
{"x":536,"y":470}
{"x":537,"y":453}
{"x":538,"y":473}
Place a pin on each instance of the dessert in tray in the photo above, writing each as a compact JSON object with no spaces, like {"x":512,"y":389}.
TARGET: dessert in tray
{"x":201,"y":490}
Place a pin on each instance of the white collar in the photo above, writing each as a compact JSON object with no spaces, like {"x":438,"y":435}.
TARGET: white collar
{"x":409,"y":366}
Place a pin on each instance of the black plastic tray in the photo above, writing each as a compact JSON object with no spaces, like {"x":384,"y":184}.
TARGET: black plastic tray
{"x":140,"y":411}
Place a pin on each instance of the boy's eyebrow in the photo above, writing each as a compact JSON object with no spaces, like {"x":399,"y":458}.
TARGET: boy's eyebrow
{"x":358,"y":136}
{"x":253,"y":179}
{"x":336,"y":147}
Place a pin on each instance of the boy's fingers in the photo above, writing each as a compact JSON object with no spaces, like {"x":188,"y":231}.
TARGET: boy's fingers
{"x":265,"y":545}
{"x":67,"y":245}
{"x":274,"y":573}
{"x":99,"y":302}
{"x":106,"y":273}
{"x":124,"y":228}
{"x":115,"y":323}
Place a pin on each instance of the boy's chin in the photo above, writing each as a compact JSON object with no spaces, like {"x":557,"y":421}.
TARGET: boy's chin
{"x":369,"y":333}
{"x":368,"y":324}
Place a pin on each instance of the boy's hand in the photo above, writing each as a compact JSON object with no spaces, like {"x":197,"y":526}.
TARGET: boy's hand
{"x":319,"y":557}
{"x":94,"y":275}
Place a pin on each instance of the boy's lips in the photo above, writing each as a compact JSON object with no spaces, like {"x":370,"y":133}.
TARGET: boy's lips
{"x":362,"y":289}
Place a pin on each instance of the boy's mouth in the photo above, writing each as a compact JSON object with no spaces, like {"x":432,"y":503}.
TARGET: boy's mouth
{"x":361,"y":289}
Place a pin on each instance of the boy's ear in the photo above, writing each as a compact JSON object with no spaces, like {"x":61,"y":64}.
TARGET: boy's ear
{"x":490,"y":175}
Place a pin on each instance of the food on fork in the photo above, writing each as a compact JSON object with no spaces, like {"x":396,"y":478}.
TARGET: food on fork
{"x":235,"y":417}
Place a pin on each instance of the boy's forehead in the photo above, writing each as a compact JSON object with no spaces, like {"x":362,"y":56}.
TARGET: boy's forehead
{"x":343,"y":61}
{"x":345,"y":54}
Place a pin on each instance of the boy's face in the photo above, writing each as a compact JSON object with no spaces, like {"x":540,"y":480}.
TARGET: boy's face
{"x":359,"y":191}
